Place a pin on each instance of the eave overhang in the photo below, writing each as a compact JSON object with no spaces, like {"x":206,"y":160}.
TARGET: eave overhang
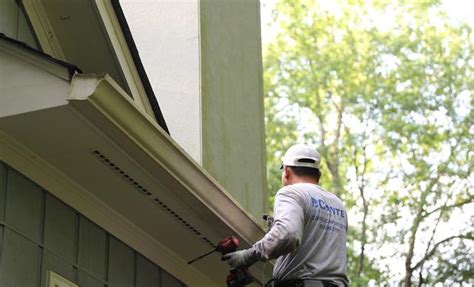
{"x":89,"y":129}
{"x":108,"y":46}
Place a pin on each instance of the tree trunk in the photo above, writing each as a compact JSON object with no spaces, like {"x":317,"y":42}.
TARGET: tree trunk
{"x":363,"y":238}
{"x":408,"y":269}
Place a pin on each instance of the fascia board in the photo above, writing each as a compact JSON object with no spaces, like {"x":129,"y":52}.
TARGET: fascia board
{"x":124,"y":58}
{"x":49,"y":65}
{"x":102,"y":101}
{"x":42,"y":27}
{"x":132,"y":54}
{"x":128,"y":58}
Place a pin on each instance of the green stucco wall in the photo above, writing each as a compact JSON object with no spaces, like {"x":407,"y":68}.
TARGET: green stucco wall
{"x":233,"y":149}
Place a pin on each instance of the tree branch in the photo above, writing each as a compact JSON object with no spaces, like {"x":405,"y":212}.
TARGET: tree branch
{"x":468,"y":236}
{"x":438,"y":220}
{"x":414,"y":229}
{"x":458,"y":204}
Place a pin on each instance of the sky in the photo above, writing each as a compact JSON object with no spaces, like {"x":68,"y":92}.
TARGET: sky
{"x":460,"y":10}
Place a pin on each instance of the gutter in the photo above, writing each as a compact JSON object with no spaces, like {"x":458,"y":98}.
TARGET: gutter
{"x":160,"y":147}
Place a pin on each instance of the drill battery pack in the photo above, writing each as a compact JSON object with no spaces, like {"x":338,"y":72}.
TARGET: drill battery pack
{"x":239,"y":277}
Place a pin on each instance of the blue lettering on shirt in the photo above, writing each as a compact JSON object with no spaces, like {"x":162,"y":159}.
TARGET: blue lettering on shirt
{"x":319,"y":203}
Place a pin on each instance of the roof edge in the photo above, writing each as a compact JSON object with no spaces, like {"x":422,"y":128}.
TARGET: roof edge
{"x":72,"y":69}
{"x":162,"y":149}
{"x":139,"y":65}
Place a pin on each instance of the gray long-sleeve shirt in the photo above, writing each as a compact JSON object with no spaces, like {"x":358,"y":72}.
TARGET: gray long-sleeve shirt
{"x":308,"y":236}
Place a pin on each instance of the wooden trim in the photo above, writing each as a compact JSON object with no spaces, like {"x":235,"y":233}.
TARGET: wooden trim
{"x":42,"y":63}
{"x":43,"y":29}
{"x":114,"y":31}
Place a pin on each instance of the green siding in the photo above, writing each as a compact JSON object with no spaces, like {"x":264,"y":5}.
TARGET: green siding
{"x":58,"y":265}
{"x":148,"y":274}
{"x":20,"y":261}
{"x":169,"y":281}
{"x":24,"y":205}
{"x":41,"y":233}
{"x":25,"y":33}
{"x":1,"y":255}
{"x":8,"y":17}
{"x":121,"y":264}
{"x":92,"y":248}
{"x":85,"y":280}
{"x":3,"y":188}
{"x":60,"y":228}
{"x":13,"y":22}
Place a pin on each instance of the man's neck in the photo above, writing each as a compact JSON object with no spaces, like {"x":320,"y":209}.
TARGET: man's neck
{"x":304,"y":180}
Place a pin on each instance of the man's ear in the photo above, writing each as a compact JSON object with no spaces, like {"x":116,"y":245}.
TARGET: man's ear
{"x":288,"y":172}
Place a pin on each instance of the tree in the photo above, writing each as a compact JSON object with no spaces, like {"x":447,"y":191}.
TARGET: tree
{"x":391,"y":109}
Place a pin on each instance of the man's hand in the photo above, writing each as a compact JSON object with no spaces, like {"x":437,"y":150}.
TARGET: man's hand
{"x":269,"y":220}
{"x":241,"y":258}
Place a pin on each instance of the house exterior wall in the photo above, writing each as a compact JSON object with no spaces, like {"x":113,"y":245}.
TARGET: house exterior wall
{"x":226,"y":154}
{"x":13,"y":22}
{"x":232,"y":99}
{"x":39,"y":233}
{"x":167,"y":36}
{"x":204,"y":60}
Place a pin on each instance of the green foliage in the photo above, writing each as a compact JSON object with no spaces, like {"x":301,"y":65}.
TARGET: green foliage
{"x":390,"y":108}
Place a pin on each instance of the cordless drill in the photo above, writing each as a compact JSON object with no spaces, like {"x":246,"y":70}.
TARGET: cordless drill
{"x":235,"y":278}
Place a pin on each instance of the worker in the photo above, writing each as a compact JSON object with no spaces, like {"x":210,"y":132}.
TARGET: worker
{"x":308,"y":235}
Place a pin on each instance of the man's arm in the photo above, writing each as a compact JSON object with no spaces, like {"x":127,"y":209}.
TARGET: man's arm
{"x":287,"y":230}
{"x":284,"y":236}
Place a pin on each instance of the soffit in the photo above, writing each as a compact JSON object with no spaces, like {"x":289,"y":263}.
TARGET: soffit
{"x":94,"y":35}
{"x":82,"y":37}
